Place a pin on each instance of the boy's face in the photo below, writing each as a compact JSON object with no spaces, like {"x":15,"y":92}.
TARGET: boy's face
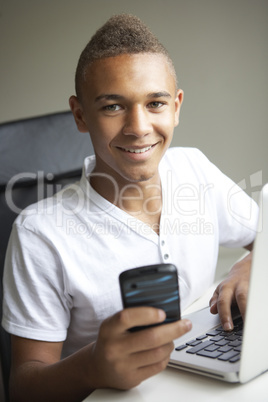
{"x":130,"y":107}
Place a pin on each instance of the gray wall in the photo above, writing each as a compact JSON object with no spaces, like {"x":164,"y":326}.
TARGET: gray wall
{"x":219,"y":49}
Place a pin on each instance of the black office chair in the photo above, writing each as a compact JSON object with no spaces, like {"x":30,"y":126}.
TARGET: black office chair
{"x":38,"y":156}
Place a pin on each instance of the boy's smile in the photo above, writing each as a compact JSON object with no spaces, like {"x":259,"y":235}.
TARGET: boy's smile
{"x":130,"y":107}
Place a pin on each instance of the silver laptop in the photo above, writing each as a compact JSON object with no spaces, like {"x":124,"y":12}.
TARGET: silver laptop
{"x":208,"y":350}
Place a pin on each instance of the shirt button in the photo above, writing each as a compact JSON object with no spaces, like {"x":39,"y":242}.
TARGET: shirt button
{"x":162,"y":242}
{"x":166,"y":256}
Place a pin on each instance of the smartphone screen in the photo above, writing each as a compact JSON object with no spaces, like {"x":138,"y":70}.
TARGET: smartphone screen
{"x":153,"y":285}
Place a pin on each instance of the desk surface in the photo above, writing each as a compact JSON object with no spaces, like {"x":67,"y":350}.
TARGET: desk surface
{"x":177,"y":385}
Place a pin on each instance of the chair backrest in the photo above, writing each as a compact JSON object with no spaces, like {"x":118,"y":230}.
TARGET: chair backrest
{"x":38,"y":156}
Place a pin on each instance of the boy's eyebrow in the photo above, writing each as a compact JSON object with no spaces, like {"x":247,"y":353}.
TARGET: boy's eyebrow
{"x":108,"y":97}
{"x":160,"y":94}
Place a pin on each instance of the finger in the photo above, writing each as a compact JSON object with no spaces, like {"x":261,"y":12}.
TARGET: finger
{"x":155,"y":337}
{"x":140,"y":316}
{"x":132,"y":317}
{"x":135,"y":377}
{"x":213,"y":302}
{"x":146,"y":339}
{"x":151,"y":338}
{"x":241,"y":298}
{"x":224,"y":303}
{"x":148,"y":371}
{"x":152,"y":356}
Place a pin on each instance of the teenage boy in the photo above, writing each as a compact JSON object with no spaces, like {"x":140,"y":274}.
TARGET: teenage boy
{"x":137,"y":203}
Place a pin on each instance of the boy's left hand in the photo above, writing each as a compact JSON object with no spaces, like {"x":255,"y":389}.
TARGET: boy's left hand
{"x":233,"y":290}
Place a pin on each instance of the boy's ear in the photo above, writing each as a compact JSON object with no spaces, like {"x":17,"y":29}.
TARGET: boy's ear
{"x":178,"y":103}
{"x":77,"y":111}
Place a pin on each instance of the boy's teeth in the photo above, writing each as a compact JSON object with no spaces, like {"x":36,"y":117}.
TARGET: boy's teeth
{"x":138,"y":151}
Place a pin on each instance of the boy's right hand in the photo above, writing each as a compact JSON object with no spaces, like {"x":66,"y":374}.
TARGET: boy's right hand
{"x":122,"y":359}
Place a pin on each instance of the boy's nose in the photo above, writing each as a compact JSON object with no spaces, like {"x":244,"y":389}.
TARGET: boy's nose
{"x":137,"y":122}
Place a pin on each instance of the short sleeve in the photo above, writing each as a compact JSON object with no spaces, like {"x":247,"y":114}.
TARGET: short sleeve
{"x":237,"y":212}
{"x":35,"y":303}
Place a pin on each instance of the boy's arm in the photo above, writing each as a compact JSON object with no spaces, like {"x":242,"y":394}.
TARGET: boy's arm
{"x":37,"y":373}
{"x":118,"y":359}
{"x":233,"y":290}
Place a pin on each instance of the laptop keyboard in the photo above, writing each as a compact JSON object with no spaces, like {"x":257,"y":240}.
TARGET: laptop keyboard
{"x":217,"y":343}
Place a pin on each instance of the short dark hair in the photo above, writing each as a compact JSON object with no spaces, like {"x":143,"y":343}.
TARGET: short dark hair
{"x":121,"y":34}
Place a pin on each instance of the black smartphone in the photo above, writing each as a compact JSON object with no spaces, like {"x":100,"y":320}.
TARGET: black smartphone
{"x":152,"y":285}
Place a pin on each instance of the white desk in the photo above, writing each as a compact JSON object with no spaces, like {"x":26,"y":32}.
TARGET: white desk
{"x":176,"y":385}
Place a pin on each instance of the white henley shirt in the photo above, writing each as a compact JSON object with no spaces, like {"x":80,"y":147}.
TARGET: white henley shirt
{"x":66,"y":252}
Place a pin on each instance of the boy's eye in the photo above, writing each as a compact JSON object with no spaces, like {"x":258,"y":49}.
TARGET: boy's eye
{"x":112,"y":108}
{"x":155,"y":105}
